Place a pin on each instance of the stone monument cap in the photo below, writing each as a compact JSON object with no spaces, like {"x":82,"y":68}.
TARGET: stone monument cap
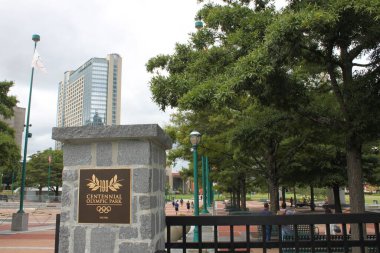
{"x":86,"y":134}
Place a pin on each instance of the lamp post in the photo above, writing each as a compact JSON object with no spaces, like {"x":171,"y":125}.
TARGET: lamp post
{"x":49,"y":172}
{"x":204,"y":184}
{"x":35,"y":38}
{"x":208,"y":183}
{"x":195,"y":138}
{"x":13,"y":180}
{"x":20,"y":219}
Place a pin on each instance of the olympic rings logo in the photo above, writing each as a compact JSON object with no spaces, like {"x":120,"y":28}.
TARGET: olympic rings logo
{"x":103,"y":209}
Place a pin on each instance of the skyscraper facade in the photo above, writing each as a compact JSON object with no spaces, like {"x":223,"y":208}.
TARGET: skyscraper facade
{"x":17,"y":122}
{"x":93,"y":90}
{"x":91,"y":95}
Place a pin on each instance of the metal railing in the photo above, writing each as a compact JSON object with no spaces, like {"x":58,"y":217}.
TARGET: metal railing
{"x":57,"y":226}
{"x":300,"y":241}
{"x":307,"y":233}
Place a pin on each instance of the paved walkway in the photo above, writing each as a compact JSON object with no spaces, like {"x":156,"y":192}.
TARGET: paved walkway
{"x":40,"y":237}
{"x":41,"y":233}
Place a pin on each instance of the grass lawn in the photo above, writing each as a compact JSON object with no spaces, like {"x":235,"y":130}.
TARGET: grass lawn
{"x":369,"y":198}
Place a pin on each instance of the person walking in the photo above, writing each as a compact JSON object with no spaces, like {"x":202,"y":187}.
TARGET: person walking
{"x":176,"y":206}
{"x":268,"y":228}
{"x":291,"y":201}
{"x":188,"y":206}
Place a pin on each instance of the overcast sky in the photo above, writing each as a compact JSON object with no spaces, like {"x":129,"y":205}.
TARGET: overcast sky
{"x":71,"y":33}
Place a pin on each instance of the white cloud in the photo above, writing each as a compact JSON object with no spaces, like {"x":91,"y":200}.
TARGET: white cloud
{"x":73,"y":32}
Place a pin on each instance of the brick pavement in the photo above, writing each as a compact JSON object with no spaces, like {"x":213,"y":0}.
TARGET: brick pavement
{"x":40,"y":237}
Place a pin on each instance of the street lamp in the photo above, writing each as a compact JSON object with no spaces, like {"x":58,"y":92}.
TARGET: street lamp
{"x":198,"y":24}
{"x":208,"y":183}
{"x":195,"y":138}
{"x":13,"y":180}
{"x":20,"y":220}
{"x":35,"y":38}
{"x":204,"y":185}
{"x":49,"y":172}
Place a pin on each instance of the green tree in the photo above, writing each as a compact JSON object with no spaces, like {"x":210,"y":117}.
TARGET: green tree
{"x":270,"y":138}
{"x":338,"y":40}
{"x":37,"y":170}
{"x":197,"y":69}
{"x":10,"y":152}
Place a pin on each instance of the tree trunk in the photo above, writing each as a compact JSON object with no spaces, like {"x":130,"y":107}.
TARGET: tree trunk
{"x":272,"y":176}
{"x":274,"y":198}
{"x":353,"y":140}
{"x":295,"y":196}
{"x":40,"y":194}
{"x":244,"y":194}
{"x":355,"y":182}
{"x":338,"y":206}
{"x":238,"y":195}
{"x":354,"y":174}
{"x":312,"y":202}
{"x":283,"y":195}
{"x":56,"y":193}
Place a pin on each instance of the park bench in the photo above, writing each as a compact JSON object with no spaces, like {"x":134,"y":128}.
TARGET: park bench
{"x":303,"y":231}
{"x":4,"y":198}
{"x":322,"y":238}
{"x":302,"y":204}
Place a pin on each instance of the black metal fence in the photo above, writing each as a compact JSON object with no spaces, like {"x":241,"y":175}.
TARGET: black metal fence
{"x":57,"y":225}
{"x":305,"y":233}
{"x":310,"y":233}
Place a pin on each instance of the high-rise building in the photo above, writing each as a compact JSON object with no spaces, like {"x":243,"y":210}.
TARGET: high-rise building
{"x":16,"y":122}
{"x":91,"y":94}
{"x":93,"y":90}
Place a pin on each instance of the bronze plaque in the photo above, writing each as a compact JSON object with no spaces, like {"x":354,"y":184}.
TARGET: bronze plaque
{"x":104,"y":196}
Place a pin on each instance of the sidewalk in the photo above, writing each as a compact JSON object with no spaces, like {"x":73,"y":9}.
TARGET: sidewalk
{"x":41,"y":233}
{"x":42,"y":219}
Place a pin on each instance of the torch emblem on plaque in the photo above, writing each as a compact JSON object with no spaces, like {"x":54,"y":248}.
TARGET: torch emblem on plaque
{"x":104,"y":185}
{"x":107,"y":195}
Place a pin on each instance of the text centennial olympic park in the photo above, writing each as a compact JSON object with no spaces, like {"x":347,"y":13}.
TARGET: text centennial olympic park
{"x":103,"y":199}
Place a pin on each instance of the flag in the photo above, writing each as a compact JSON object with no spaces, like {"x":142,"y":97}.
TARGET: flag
{"x":37,"y":63}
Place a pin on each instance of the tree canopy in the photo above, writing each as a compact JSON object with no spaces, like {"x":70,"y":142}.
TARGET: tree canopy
{"x":9,"y":150}
{"x":290,"y":79}
{"x":38,"y":170}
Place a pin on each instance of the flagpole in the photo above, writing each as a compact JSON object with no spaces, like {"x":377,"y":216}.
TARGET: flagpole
{"x":20,"y":219}
{"x":35,"y":38}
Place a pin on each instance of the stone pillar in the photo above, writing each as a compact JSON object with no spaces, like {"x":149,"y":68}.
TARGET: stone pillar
{"x":137,"y":149}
